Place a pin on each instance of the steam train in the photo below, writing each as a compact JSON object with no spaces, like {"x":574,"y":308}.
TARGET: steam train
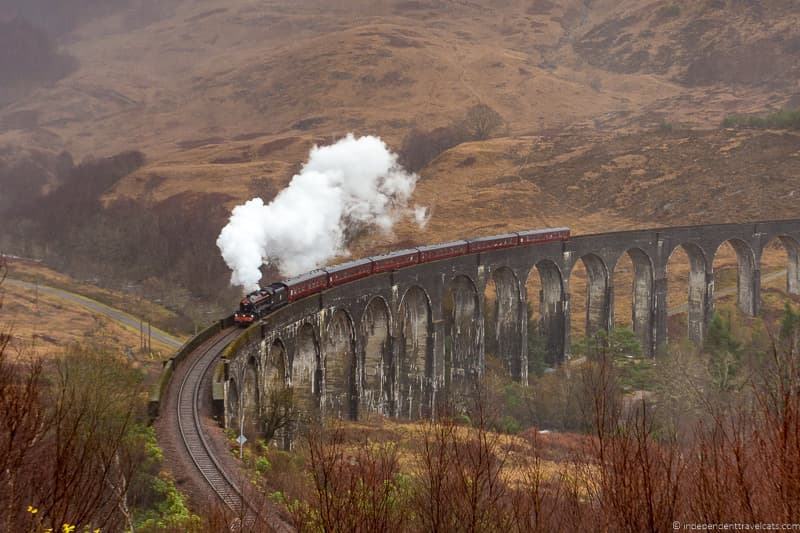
{"x":258,"y":303}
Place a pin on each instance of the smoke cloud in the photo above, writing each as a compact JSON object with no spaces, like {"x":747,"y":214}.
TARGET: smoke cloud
{"x":353,"y":183}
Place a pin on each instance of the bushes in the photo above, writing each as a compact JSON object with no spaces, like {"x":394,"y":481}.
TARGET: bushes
{"x":358,"y":490}
{"x":785,"y":119}
{"x":628,"y":471}
{"x":420,"y":147}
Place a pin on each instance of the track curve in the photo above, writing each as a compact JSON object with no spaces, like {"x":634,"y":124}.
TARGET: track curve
{"x":191,"y":430}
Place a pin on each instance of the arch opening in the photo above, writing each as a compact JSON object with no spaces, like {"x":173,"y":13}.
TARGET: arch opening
{"x":415,"y":366}
{"x":232,"y":405}
{"x":687,"y":293}
{"x":306,"y":375}
{"x":633,"y":296}
{"x":779,"y":271}
{"x":503,"y":324}
{"x":463,"y":339}
{"x":251,"y":401}
{"x":589,"y":283}
{"x":376,"y":365}
{"x":278,"y":408}
{"x":546,"y":319}
{"x":341,"y":389}
{"x":734,"y":272}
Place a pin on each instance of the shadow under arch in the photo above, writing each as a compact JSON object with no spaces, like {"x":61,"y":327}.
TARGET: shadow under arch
{"x":697,"y":304}
{"x":277,"y":412}
{"x":463,"y":354}
{"x":642,"y":294}
{"x":376,"y":361}
{"x":415,"y":365}
{"x":341,"y":368}
{"x":503,"y":321}
{"x":546,"y":328}
{"x":251,"y":400}
{"x":232,"y":405}
{"x":305,"y":378}
{"x":745,"y":275}
{"x":598,"y":302}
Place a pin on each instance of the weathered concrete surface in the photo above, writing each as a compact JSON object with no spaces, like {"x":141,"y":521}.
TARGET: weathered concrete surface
{"x":401,"y":343}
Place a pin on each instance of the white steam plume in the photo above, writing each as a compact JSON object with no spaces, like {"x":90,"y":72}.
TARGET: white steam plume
{"x":356,"y":181}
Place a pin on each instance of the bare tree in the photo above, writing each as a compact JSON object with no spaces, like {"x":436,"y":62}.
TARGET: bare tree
{"x":481,"y":121}
{"x":355,"y":489}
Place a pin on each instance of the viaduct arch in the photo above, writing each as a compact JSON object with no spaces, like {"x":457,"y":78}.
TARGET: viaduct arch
{"x":397,"y":343}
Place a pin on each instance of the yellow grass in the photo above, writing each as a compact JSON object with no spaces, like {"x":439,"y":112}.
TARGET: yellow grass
{"x":45,"y":325}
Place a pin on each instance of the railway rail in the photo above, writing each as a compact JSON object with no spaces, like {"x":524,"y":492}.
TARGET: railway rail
{"x":191,"y":430}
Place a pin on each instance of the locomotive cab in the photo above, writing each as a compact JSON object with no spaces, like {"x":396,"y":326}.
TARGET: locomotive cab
{"x":252,"y":307}
{"x":245,"y":315}
{"x":258,"y":303}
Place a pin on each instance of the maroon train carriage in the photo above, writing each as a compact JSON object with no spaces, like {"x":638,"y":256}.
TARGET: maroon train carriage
{"x":537,"y":236}
{"x":435,"y":252}
{"x":258,"y":303}
{"x":497,"y":242}
{"x":306,"y":284}
{"x":347,"y":272}
{"x":394,"y":260}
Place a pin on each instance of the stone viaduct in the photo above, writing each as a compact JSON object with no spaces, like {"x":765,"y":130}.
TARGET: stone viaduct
{"x":396,"y":343}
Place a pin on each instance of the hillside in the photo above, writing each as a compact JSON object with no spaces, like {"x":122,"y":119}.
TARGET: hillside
{"x":601,"y":182}
{"x":204,"y":71}
{"x":611,"y":110}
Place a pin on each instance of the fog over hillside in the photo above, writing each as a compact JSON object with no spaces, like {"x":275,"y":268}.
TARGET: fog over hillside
{"x":58,"y":18}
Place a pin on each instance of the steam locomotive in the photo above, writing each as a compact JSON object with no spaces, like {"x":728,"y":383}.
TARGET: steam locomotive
{"x":259,"y":303}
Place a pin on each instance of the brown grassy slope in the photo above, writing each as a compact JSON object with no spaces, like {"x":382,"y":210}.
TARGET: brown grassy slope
{"x":44,"y":325}
{"x":596,"y":183}
{"x":219,"y":93}
{"x":129,"y":302}
{"x":211,"y":72}
{"x":699,"y":43}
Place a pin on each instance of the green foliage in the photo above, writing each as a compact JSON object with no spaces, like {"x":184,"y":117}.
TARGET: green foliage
{"x":790,"y":325}
{"x":671,"y":11}
{"x":160,"y":505}
{"x":725,"y":352}
{"x":618,"y":343}
{"x":513,"y":404}
{"x":666,"y":127}
{"x":463,"y":419}
{"x":170,"y":513}
{"x":538,"y":358}
{"x":509,"y":424}
{"x":784,"y":119}
{"x":635,"y":372}
{"x":263,"y":465}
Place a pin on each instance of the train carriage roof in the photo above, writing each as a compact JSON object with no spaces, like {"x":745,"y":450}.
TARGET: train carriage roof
{"x":392,"y":255}
{"x":540,"y":231}
{"x":495,"y":237}
{"x":346,"y":266}
{"x":305,"y":277}
{"x":433,"y":247}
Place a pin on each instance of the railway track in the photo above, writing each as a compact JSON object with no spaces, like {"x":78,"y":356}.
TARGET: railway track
{"x":191,"y":430}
